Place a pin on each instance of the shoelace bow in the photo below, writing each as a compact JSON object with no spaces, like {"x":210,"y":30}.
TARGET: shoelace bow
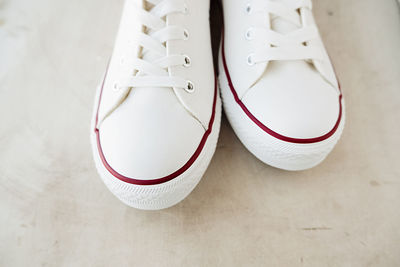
{"x":151,"y":69}
{"x":272,"y":45}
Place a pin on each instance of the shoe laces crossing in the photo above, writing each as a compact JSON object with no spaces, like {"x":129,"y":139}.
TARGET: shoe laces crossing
{"x":151,"y":67}
{"x":272,"y":45}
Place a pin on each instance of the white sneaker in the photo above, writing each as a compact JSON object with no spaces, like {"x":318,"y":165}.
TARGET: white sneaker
{"x":279,"y":89}
{"x":157,"y":113}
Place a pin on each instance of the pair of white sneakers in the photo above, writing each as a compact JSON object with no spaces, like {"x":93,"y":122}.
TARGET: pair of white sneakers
{"x":158,"y":111}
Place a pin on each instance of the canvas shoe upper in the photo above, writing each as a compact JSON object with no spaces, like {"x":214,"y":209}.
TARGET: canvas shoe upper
{"x":157,"y":104}
{"x":280,"y":72}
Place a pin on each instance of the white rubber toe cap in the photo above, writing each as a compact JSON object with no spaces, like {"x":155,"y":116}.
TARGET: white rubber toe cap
{"x":293,"y":100}
{"x":150,"y":135}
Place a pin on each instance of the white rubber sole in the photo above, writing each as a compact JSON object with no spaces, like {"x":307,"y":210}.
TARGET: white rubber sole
{"x":165,"y":195}
{"x":268,"y":149}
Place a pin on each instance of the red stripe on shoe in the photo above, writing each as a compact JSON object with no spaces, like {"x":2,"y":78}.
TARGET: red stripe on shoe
{"x":265,"y":128}
{"x":173,"y":175}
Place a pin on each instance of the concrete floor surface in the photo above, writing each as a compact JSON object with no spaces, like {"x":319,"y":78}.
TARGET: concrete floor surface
{"x":55,"y":211}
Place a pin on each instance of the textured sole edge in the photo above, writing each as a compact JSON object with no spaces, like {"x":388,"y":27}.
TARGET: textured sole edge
{"x":268,"y":149}
{"x":159,"y":196}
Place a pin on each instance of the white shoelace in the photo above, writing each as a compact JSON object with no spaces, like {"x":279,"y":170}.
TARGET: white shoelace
{"x":151,"y":69}
{"x":272,"y":45}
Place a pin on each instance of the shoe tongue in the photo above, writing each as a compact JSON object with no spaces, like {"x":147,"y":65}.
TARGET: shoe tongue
{"x":148,"y":55}
{"x":282,"y":25}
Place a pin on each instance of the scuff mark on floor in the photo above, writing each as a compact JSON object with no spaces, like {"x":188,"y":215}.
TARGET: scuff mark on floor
{"x":374,"y":183}
{"x":316,"y":228}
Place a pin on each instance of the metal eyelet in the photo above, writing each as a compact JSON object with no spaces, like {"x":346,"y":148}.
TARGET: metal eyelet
{"x":248,"y":34}
{"x":116,"y":87}
{"x":189,"y":87}
{"x":250,"y":60}
{"x":248,"y":8}
{"x":185,"y":9}
{"x":188,"y":61}
{"x":185,"y":34}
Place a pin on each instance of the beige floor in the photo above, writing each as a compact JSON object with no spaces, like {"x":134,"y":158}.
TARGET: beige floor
{"x":55,"y":211}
